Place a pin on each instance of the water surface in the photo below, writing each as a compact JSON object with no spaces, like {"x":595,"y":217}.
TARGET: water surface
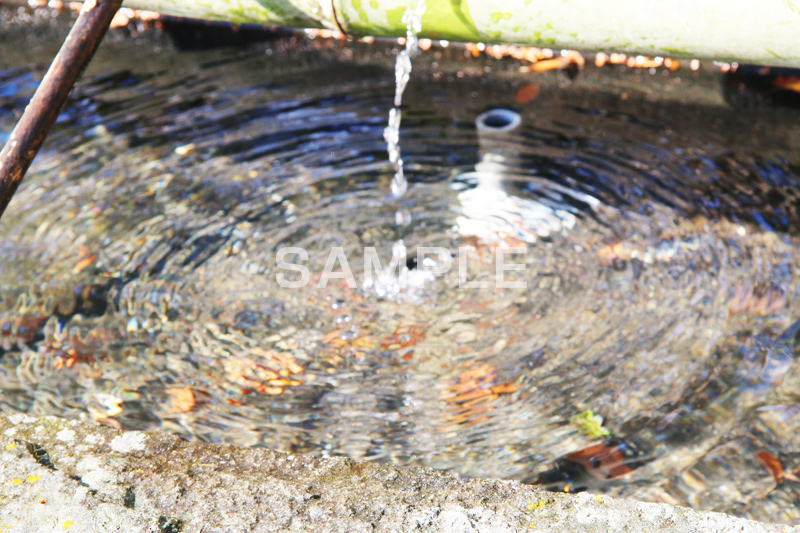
{"x":138,"y":264}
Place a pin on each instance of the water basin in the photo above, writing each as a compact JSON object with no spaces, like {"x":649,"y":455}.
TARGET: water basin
{"x":656,"y":230}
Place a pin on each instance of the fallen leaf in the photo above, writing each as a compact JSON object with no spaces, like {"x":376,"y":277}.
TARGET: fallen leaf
{"x":528,"y":93}
{"x":791,"y":83}
{"x":181,"y":400}
{"x":507,"y":388}
{"x":775,"y":468}
{"x":83,"y":263}
{"x":284,"y":383}
{"x":550,"y":64}
{"x":406,"y":336}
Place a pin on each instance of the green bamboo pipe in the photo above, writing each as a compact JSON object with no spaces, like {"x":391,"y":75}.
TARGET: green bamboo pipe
{"x":764,"y":32}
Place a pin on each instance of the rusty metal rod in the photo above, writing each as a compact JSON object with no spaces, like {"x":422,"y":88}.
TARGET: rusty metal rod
{"x":51,"y":95}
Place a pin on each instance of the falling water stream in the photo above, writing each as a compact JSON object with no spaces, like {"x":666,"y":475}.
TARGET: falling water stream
{"x":402,"y":73}
{"x":394,"y":279}
{"x":658,"y":227}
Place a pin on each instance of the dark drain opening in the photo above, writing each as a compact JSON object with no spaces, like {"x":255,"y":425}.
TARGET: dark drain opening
{"x":498,"y":120}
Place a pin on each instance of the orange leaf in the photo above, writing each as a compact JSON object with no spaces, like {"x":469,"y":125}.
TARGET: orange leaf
{"x":406,"y":336}
{"x":83,"y":263}
{"x":791,"y":83}
{"x":263,"y":389}
{"x":773,"y":465}
{"x":550,"y":64}
{"x":284,"y":383}
{"x":508,"y":388}
{"x":181,"y":400}
{"x":528,"y":93}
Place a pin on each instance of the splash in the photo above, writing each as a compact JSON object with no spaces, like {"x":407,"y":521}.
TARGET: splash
{"x":397,"y":282}
{"x":402,"y":72}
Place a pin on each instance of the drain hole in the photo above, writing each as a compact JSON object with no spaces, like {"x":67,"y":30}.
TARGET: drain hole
{"x":498,"y":120}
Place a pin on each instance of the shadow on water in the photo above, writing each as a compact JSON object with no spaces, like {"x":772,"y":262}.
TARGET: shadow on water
{"x":138,"y":268}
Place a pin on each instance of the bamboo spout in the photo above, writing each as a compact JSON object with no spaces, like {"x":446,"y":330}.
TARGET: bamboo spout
{"x":766,"y":32}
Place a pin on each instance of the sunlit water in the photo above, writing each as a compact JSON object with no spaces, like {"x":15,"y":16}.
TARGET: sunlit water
{"x":138,"y":267}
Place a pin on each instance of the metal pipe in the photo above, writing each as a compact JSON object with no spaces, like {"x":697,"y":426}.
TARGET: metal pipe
{"x":51,"y":95}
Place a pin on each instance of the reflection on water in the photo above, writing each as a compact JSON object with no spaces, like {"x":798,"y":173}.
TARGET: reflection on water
{"x":139,"y":259}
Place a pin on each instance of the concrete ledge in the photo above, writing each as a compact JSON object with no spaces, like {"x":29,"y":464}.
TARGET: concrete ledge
{"x":59,"y":475}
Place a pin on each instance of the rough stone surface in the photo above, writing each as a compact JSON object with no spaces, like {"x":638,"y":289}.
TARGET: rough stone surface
{"x":58,"y":475}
